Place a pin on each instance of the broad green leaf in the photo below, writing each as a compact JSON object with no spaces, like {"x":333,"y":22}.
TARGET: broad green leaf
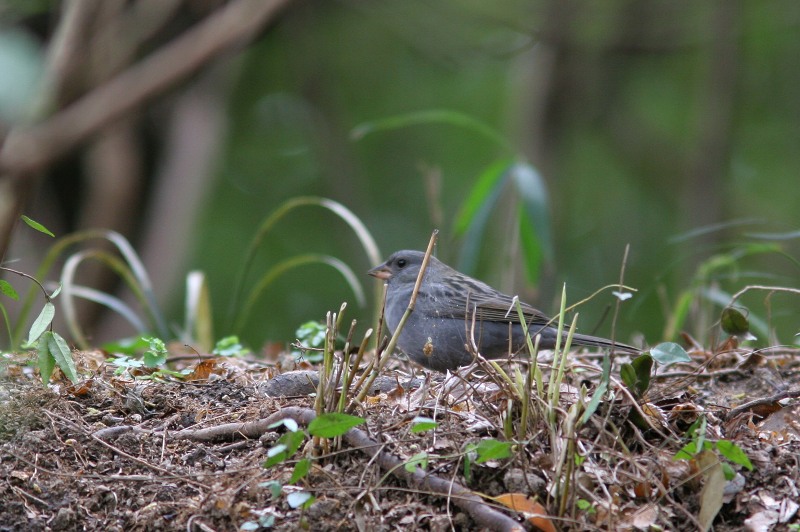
{"x":277,"y":449}
{"x":273,"y":486}
{"x":643,"y":365}
{"x":230,"y":347}
{"x":288,"y":422}
{"x":734,"y":453}
{"x":333,"y":424}
{"x":127,"y":346}
{"x":422,"y":424}
{"x":8,"y":290}
{"x":418,"y":460}
{"x":485,"y":187}
{"x":728,"y":471}
{"x":686,"y":452}
{"x":63,"y":356}
{"x":491,"y":449}
{"x":46,"y":360}
{"x":36,"y":225}
{"x":40,"y":324}
{"x":157,"y":353}
{"x":636,"y":375}
{"x":300,"y":499}
{"x":628,"y":376}
{"x":600,"y":392}
{"x":667,"y":353}
{"x":284,"y":448}
{"x":734,"y":322}
{"x":534,"y":200}
{"x":475,"y":224}
{"x":531,"y":247}
{"x":300,"y":470}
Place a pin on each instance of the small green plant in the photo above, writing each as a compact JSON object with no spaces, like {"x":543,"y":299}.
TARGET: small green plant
{"x":52,"y":349}
{"x":311,"y":336}
{"x":150,"y":323}
{"x":725,"y":448}
{"x":724,"y":271}
{"x":330,"y":425}
{"x":483,"y":451}
{"x":636,"y":374}
{"x":230,"y":346}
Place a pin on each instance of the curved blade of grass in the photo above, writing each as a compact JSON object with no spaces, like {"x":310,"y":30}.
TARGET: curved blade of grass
{"x":713,"y":228}
{"x":111,"y":302}
{"x":431,"y":116}
{"x":474,"y":215}
{"x":294,"y":262}
{"x":198,"y":325}
{"x":67,"y":280}
{"x":789,"y":235}
{"x":7,"y":323}
{"x":358,"y":227}
{"x":125,"y":249}
{"x":142,"y":278}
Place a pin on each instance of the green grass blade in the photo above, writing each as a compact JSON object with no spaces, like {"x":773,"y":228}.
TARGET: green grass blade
{"x":431,"y":116}
{"x":198,"y":324}
{"x":279,"y":269}
{"x":111,"y":302}
{"x":358,"y":227}
{"x":68,"y":283}
{"x":124,"y":247}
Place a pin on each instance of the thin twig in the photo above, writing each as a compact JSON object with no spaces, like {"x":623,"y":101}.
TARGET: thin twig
{"x":31,"y":149}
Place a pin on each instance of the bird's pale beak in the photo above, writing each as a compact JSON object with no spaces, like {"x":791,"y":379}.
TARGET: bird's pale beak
{"x":381,"y":272}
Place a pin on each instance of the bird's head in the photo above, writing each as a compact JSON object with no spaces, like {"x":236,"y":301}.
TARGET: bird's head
{"x":402,"y":266}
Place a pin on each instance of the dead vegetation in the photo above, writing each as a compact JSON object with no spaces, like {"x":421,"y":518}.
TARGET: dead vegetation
{"x":116,"y":453}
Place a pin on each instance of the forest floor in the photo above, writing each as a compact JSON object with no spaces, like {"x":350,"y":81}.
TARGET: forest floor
{"x":124,"y":453}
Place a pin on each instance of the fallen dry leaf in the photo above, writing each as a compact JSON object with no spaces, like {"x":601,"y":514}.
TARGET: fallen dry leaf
{"x":534,"y":512}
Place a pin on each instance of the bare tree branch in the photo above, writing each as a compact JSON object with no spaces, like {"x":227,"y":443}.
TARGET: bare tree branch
{"x":28,"y":150}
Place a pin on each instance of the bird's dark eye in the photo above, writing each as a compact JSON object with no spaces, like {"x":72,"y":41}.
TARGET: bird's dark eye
{"x":401,"y":263}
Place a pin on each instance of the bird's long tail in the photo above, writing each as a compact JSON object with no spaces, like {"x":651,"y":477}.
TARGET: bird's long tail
{"x":596,"y":341}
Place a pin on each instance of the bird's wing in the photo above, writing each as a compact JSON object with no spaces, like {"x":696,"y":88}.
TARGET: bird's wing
{"x":493,"y":306}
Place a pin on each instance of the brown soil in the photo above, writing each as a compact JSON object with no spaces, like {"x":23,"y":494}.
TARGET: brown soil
{"x":121,"y":453}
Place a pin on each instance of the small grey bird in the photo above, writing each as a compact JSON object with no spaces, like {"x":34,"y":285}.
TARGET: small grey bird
{"x":439,"y":329}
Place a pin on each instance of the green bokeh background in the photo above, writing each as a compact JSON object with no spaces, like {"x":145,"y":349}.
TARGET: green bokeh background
{"x":656,"y":119}
{"x":672,"y":127}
